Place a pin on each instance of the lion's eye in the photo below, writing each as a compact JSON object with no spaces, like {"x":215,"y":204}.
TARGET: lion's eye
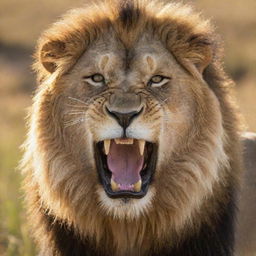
{"x":96,"y":79}
{"x":158,"y":80}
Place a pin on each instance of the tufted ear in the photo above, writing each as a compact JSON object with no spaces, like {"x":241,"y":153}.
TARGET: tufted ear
{"x":201,"y":52}
{"x":197,"y":55}
{"x":50,"y":53}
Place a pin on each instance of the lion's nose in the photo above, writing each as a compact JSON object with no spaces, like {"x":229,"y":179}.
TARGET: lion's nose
{"x":124,"y":119}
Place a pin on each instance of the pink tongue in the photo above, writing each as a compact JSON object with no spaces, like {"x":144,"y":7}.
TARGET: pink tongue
{"x":125,"y":163}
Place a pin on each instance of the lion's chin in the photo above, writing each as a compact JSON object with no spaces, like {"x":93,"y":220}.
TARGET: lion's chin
{"x":125,"y":167}
{"x":128,"y":208}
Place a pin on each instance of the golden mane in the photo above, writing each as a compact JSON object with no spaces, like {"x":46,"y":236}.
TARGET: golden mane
{"x":185,"y":33}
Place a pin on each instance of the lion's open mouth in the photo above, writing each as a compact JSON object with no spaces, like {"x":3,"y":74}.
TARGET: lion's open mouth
{"x":125,"y":166}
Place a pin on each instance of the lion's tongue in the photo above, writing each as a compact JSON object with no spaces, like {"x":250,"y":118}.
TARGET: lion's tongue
{"x":125,"y":163}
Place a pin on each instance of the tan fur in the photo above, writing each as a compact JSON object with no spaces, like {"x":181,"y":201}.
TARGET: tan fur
{"x":195,"y":126}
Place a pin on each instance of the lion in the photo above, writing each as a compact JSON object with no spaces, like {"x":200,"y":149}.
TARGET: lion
{"x":133,"y":146}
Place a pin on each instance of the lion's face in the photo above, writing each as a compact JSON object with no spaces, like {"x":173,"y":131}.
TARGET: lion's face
{"x":124,"y":114}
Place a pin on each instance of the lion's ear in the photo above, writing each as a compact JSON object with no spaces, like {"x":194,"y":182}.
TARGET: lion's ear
{"x":197,"y":55}
{"x":50,"y":53}
{"x":201,"y":52}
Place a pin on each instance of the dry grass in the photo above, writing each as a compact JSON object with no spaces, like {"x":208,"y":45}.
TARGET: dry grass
{"x":21,"y":23}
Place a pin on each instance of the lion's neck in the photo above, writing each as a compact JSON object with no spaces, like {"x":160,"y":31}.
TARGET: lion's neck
{"x":124,"y":240}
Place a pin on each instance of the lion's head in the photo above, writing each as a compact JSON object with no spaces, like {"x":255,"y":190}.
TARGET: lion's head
{"x":131,"y":121}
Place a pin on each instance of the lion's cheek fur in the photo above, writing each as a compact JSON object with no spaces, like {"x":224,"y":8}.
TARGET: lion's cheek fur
{"x":58,"y":171}
{"x":198,"y":160}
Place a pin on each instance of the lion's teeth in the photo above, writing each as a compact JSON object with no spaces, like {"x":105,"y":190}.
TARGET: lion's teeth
{"x":106,"y":146}
{"x":141,"y":146}
{"x":137,"y":186}
{"x":124,"y":141}
{"x":114,"y":185}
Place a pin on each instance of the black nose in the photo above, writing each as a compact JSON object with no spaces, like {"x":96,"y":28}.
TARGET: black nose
{"x":124,"y":119}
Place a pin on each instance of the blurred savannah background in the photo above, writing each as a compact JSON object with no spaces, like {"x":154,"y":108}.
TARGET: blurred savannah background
{"x":21,"y":22}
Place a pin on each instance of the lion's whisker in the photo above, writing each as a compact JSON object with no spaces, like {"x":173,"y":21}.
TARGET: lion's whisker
{"x":74,"y":122}
{"x":77,"y":106}
{"x":74,"y":113}
{"x":171,"y":120}
{"x":76,"y":119}
{"x":78,"y":100}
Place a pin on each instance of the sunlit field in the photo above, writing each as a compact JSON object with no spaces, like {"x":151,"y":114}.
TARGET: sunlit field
{"x":20,"y":25}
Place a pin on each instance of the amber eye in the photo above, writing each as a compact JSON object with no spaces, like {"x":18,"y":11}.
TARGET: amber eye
{"x":96,"y":79}
{"x":158,"y":80}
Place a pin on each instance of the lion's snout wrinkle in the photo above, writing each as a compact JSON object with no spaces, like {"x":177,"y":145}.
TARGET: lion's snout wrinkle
{"x":124,"y":107}
{"x":124,"y":102}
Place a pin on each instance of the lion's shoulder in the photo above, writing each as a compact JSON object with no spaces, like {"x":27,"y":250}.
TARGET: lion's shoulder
{"x":249,"y":144}
{"x":246,"y":229}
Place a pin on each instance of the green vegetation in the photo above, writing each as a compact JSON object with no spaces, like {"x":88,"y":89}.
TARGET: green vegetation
{"x":14,"y":233}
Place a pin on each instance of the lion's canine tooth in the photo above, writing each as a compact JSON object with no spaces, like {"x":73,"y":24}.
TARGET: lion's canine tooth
{"x":114,"y":185}
{"x":124,"y":141}
{"x":106,"y":146}
{"x":137,"y":186}
{"x":142,"y":146}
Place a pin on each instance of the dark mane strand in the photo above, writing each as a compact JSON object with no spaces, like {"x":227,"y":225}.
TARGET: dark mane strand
{"x":129,"y":13}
